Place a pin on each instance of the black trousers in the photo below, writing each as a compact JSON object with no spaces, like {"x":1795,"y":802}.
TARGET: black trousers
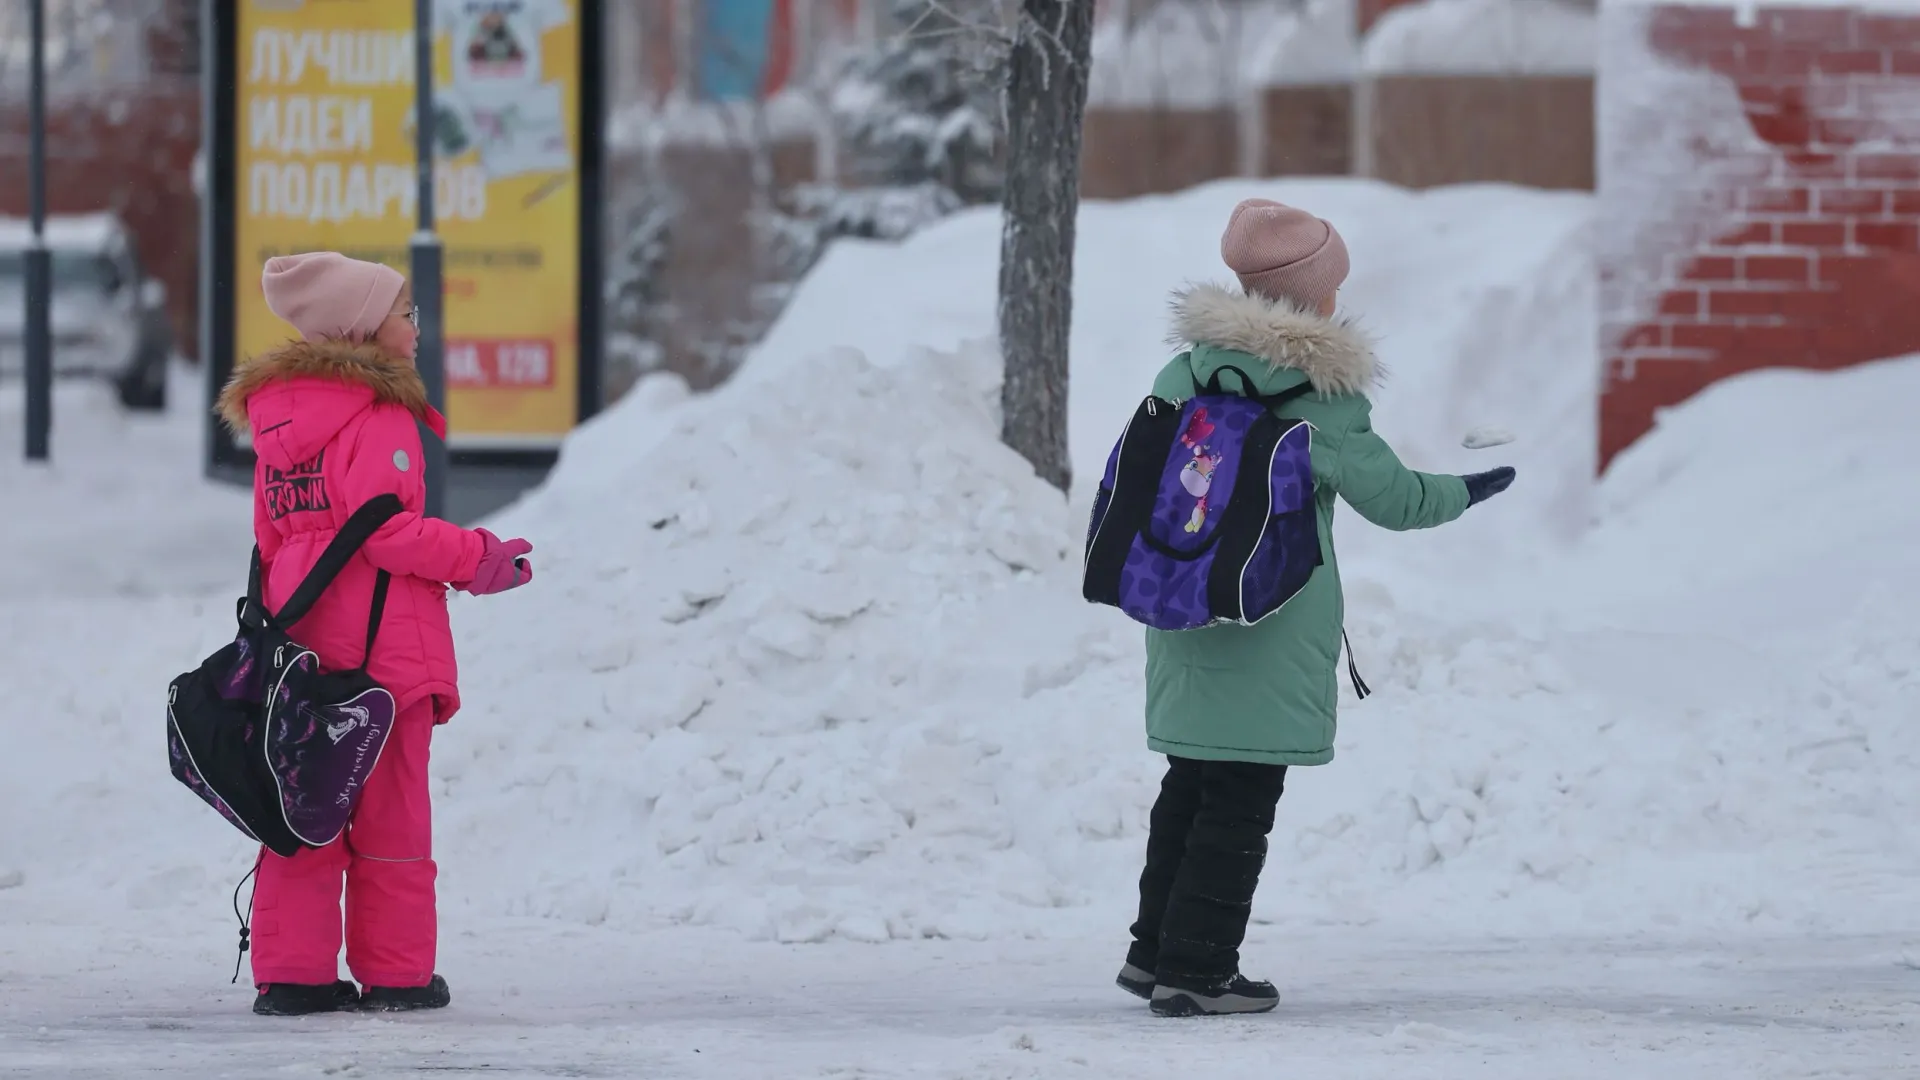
{"x":1205,"y":849}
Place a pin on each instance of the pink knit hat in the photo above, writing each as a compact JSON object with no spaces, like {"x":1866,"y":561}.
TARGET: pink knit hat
{"x":1284,"y":254}
{"x":324,"y":294}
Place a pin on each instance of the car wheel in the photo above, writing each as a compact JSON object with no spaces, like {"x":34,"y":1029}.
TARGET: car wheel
{"x":144,"y":389}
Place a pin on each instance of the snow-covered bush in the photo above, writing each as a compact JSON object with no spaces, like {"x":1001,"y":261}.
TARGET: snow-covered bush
{"x":918,"y":122}
{"x":640,"y":230}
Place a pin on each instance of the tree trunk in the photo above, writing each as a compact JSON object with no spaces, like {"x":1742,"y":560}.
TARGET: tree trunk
{"x":1046,"y":98}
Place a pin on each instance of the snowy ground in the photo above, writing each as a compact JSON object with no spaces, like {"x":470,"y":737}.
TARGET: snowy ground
{"x":547,"y":1002}
{"x":803,"y":753}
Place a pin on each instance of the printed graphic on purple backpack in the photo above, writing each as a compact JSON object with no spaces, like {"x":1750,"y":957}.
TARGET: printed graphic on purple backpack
{"x":1204,"y":514}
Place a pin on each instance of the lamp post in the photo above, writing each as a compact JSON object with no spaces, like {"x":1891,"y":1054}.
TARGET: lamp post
{"x":426,"y":259}
{"x":39,"y":263}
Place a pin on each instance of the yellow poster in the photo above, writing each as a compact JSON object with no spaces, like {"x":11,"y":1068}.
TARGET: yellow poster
{"x":325,"y":161}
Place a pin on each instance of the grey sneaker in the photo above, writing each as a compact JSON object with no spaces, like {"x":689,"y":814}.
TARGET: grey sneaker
{"x":1137,"y":981}
{"x":1235,"y":996}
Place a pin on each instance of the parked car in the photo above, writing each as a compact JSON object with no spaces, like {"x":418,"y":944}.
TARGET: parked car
{"x":109,"y":319}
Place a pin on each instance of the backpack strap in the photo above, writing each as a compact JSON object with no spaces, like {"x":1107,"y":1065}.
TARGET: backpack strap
{"x":380,"y":583}
{"x":1271,"y":401}
{"x":1360,"y":688}
{"x":359,"y":528}
{"x":252,"y":610}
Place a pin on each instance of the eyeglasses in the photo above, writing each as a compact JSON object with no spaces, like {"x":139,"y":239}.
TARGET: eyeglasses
{"x":413,"y":315}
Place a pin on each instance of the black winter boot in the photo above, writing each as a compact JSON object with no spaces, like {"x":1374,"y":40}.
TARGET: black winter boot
{"x":297,"y":999}
{"x":434,"y":995}
{"x":1237,"y":995}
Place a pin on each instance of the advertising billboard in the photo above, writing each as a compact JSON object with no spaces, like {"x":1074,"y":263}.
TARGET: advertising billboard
{"x":320,"y":117}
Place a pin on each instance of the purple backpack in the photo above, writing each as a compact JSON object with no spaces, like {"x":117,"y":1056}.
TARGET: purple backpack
{"x":1205,"y":515}
{"x":279,"y":747}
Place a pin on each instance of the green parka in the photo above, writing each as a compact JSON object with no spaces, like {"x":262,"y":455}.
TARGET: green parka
{"x":1268,"y":693}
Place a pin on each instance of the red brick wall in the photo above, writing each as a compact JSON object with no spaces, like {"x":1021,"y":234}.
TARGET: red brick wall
{"x":131,"y":153}
{"x":1814,"y":257}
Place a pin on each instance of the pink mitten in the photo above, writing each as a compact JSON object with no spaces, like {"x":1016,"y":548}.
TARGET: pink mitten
{"x":501,"y":566}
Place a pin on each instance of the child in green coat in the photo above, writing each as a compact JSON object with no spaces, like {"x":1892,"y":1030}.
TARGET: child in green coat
{"x":1233,"y":706}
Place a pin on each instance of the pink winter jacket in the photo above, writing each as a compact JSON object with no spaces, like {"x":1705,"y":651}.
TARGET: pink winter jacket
{"x":333,"y":426}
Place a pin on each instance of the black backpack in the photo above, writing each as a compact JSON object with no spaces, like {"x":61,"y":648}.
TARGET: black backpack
{"x":280,"y":748}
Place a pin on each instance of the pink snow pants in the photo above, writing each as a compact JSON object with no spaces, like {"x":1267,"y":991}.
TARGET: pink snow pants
{"x":386,"y":860}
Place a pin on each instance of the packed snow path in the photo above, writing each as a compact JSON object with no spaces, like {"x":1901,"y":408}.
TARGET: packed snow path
{"x":535,"y":1001}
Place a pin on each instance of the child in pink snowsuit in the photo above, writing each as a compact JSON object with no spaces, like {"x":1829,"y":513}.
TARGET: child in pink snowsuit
{"x":333,"y":418}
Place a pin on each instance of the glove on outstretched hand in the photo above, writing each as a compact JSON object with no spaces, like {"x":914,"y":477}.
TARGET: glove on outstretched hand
{"x":1482,"y":486}
{"x":501,"y":566}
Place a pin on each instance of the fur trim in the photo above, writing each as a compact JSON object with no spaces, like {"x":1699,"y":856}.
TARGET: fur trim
{"x":1334,"y":354}
{"x":393,"y":382}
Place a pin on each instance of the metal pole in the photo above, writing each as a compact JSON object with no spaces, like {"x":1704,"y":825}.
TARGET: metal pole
{"x":428,"y":290}
{"x":39,"y":263}
{"x":213,"y":161}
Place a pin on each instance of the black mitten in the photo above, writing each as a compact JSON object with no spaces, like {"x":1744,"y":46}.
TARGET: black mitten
{"x":1482,"y":486}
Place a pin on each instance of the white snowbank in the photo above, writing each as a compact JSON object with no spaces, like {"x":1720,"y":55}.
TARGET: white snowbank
{"x":836,"y":680}
{"x":1481,"y":299}
{"x":840,"y":682}
{"x":1482,"y":37}
{"x":806,"y":658}
{"x":831,"y":677}
{"x":1710,"y":489}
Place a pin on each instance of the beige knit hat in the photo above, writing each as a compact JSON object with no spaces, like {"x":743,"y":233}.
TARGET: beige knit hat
{"x":1284,"y":254}
{"x":324,"y":294}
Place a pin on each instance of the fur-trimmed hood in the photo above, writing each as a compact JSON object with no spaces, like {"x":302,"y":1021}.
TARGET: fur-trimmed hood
{"x":297,"y":399}
{"x":1334,"y":355}
{"x":392,"y":381}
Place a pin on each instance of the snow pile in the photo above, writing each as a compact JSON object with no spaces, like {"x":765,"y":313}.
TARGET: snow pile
{"x":862,"y":699}
{"x":817,"y":664}
{"x":1767,"y":489}
{"x":1738,"y":621}
{"x":1482,"y":37}
{"x":818,"y":667}
{"x":1480,"y":298}
{"x":806,"y":624}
